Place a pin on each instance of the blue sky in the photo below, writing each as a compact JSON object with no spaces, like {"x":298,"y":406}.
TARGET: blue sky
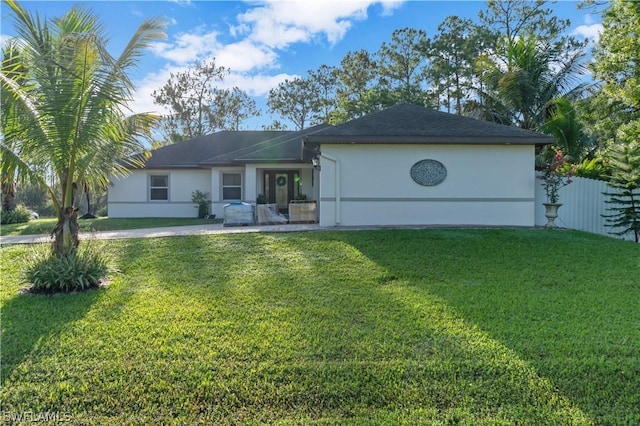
{"x":264,"y":43}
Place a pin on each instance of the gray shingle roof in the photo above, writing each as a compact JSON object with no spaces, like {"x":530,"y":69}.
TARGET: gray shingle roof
{"x":411,"y":124}
{"x":284,"y":148}
{"x":193,"y":152}
{"x":235,"y":147}
{"x":400,"y":124}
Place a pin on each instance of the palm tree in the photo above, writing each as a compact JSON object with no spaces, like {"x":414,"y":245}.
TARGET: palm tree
{"x":68,"y":99}
{"x":521,"y":79}
{"x":562,"y":122}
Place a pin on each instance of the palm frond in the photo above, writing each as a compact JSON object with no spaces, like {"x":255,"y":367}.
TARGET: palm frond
{"x":72,"y":95}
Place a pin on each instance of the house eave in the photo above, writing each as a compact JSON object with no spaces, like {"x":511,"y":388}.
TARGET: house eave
{"x":210,"y":164}
{"x":276,"y":160}
{"x":165,"y":166}
{"x":427,"y":140}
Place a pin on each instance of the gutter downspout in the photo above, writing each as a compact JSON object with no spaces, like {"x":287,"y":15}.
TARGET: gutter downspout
{"x":337,"y":184}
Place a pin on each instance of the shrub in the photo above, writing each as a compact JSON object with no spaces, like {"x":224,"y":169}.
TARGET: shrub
{"x":594,"y":168}
{"x":202,"y":200}
{"x":20,"y":215}
{"x":83,"y":269}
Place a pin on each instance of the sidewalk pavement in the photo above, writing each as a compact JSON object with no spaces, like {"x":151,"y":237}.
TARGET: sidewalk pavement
{"x":169,"y":231}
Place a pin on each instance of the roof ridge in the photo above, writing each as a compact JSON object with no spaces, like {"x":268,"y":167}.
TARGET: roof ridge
{"x":420,"y":124}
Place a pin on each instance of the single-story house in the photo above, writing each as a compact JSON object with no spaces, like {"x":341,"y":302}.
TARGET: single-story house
{"x":405,"y":165}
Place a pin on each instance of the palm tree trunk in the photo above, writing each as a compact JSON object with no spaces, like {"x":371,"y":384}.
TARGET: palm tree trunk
{"x":65,"y":233}
{"x":88,"y":194}
{"x":8,"y":196}
{"x":89,"y":214}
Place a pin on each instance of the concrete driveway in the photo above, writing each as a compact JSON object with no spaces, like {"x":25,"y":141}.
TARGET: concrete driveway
{"x":169,"y":231}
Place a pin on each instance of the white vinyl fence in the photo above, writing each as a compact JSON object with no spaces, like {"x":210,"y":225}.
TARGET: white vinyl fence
{"x":583,"y":204}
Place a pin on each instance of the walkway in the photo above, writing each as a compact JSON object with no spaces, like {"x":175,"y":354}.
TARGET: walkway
{"x":169,"y":231}
{"x":217,"y":228}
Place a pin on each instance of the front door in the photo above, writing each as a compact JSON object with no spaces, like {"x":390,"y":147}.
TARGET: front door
{"x":280,"y":187}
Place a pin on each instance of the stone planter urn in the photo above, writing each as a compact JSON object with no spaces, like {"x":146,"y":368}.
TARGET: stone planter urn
{"x":551,"y":213}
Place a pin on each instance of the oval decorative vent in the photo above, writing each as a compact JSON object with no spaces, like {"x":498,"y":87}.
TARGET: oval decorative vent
{"x":428,"y":172}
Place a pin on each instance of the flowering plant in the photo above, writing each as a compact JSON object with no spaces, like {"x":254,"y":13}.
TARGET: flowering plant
{"x":556,"y":175}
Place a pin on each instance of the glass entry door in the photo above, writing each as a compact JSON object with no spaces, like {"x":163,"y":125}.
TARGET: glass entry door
{"x":280,"y":187}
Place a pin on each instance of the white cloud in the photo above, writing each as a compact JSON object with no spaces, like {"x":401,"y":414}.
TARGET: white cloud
{"x":588,"y":19}
{"x":278,"y":24}
{"x":188,"y":47}
{"x":257,"y":35}
{"x":143,"y":100}
{"x":264,"y":29}
{"x":388,"y":6}
{"x":245,"y":56}
{"x":591,"y":31}
{"x":254,"y":84}
{"x":3,"y":39}
{"x":242,"y":56}
{"x":257,"y":84}
{"x":239,"y":30}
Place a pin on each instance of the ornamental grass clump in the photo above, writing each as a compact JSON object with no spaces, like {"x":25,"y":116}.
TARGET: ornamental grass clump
{"x":555,"y":175}
{"x":82,"y":269}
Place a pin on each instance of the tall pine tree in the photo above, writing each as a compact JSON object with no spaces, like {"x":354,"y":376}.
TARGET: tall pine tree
{"x":625,"y":197}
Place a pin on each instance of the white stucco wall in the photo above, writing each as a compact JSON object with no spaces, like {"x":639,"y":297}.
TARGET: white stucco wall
{"x":129,"y":196}
{"x":307,"y":183}
{"x":485,"y":185}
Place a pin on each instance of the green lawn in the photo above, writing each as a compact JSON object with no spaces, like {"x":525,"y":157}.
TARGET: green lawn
{"x":45,"y":225}
{"x":474,"y":327}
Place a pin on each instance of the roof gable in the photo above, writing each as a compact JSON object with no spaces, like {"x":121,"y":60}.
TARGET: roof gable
{"x":412,"y":124}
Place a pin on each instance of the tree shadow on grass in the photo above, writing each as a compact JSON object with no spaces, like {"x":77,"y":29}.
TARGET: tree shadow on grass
{"x":310,"y":326}
{"x":31,"y":321}
{"x":331,"y":333}
{"x":539,"y":295}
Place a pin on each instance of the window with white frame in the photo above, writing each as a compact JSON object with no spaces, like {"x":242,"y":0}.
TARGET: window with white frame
{"x":232,"y":186}
{"x":159,"y":187}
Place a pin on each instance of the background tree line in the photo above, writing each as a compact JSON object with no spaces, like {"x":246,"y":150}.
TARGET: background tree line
{"x":516,"y":65}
